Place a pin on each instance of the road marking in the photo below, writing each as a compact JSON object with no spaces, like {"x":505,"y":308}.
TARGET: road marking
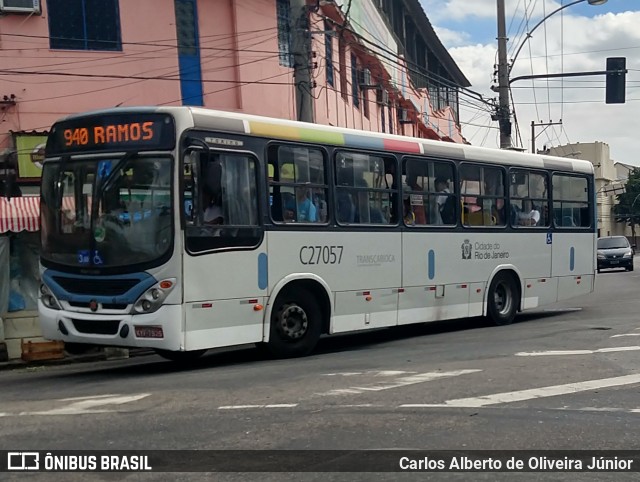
{"x":543,"y":392}
{"x":90,"y":397}
{"x":398,"y":382}
{"x":378,"y":373}
{"x":560,"y":310}
{"x":243,"y":407}
{"x":578,"y":352}
{"x":84,"y":405}
{"x":603,"y":409}
{"x":343,"y":374}
{"x":627,"y":334}
{"x":359,"y":405}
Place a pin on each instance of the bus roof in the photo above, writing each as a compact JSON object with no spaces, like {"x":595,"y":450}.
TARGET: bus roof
{"x":241,"y":123}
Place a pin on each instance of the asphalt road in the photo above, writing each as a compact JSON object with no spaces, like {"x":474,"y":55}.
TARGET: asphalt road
{"x":562,"y":378}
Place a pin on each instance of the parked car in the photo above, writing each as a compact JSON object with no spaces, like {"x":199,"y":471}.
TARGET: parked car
{"x":615,"y":252}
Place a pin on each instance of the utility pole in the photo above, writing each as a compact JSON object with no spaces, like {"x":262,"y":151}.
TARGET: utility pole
{"x":533,"y":132}
{"x":503,"y":115}
{"x":301,"y":50}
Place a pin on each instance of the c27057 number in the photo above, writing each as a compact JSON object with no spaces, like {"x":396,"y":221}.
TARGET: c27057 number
{"x":321,"y":254}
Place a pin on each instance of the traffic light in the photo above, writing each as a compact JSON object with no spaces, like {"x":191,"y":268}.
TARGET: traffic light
{"x":615,"y":90}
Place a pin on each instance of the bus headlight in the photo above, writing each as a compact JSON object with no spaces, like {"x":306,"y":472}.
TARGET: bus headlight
{"x":47,"y":298}
{"x":153,"y":298}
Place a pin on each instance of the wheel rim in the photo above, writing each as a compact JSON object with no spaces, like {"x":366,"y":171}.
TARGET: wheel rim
{"x":503,"y":298}
{"x":293,"y":322}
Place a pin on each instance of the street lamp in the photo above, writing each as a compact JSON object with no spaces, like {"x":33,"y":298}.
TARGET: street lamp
{"x":503,"y":115}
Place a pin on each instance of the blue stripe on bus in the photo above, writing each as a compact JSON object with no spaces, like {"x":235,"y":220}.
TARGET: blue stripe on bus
{"x":366,"y":142}
{"x":432,"y":264}
{"x":263,"y":271}
{"x":572,"y":258}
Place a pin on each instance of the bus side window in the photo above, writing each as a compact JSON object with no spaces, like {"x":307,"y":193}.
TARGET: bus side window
{"x":365,"y":188}
{"x":297,"y":184}
{"x":483,"y":195}
{"x":571,"y":201}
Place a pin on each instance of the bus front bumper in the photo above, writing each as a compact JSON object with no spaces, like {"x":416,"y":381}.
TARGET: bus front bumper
{"x":161,"y":329}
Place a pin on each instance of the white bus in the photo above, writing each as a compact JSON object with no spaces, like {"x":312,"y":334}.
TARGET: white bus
{"x":184,"y":229}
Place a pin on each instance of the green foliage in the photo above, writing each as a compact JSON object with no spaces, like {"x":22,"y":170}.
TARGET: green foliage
{"x":628,"y":207}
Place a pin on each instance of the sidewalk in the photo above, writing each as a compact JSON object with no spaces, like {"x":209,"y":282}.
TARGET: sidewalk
{"x":99,"y":354}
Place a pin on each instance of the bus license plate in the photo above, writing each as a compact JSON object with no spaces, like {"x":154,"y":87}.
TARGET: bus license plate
{"x":149,"y":332}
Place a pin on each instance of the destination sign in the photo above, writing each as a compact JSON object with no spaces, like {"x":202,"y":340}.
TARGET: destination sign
{"x":112,"y":133}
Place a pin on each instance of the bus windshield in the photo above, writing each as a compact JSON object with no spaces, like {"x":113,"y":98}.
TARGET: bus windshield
{"x":106,"y":212}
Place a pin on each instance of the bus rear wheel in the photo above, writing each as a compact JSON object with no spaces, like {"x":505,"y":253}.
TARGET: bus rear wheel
{"x":502,"y":300}
{"x":181,"y":356}
{"x":295,"y":324}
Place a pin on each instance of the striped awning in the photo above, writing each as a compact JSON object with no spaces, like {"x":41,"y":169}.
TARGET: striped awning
{"x":19,"y":214}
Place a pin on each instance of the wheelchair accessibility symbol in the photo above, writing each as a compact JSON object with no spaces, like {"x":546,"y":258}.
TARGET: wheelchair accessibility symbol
{"x":549,"y":238}
{"x":84,"y":257}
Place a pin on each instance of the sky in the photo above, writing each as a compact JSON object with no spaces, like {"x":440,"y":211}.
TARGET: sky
{"x":577,"y":39}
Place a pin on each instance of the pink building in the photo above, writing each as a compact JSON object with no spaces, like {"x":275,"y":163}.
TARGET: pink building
{"x":227,"y":54}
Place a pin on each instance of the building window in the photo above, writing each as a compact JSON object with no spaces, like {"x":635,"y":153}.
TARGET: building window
{"x":354,"y":81}
{"x":382,"y":119}
{"x":84,"y":24}
{"x":342,"y":59}
{"x":328,"y":52}
{"x":189,"y":52}
{"x":283,"y":11}
{"x":365,"y":102}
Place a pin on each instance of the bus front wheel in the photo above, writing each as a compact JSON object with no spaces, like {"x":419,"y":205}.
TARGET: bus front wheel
{"x":295,"y":324}
{"x":502,"y":300}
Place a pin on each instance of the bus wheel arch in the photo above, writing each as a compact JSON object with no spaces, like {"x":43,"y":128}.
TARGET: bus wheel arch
{"x":503,"y":296}
{"x":297,"y":314}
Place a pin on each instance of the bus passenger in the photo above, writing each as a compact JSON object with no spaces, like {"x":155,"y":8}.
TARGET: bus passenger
{"x":213,"y":213}
{"x":529,"y":216}
{"x":416,"y":199}
{"x":212,"y":194}
{"x":306,"y":211}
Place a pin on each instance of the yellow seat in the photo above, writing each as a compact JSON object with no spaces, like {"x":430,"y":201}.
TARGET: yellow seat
{"x":478,"y":218}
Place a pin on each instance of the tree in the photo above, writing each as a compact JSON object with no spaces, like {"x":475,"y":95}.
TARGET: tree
{"x":627,"y":209}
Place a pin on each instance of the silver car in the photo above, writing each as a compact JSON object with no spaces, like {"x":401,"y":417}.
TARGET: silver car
{"x":614,"y":252}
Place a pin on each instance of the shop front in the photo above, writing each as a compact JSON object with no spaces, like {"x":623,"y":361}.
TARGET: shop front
{"x":19,"y":274}
{"x":20,"y":172}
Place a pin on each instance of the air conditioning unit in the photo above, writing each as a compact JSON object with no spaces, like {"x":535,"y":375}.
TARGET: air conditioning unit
{"x":364,"y":78}
{"x":20,"y":6}
{"x":403,"y":116}
{"x":382,"y":96}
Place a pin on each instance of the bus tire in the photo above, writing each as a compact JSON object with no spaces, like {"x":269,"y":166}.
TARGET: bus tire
{"x":295,"y":324}
{"x":180,"y":356}
{"x":502,"y":300}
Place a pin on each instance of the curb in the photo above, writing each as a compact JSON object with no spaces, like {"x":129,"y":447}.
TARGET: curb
{"x":101,"y":355}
